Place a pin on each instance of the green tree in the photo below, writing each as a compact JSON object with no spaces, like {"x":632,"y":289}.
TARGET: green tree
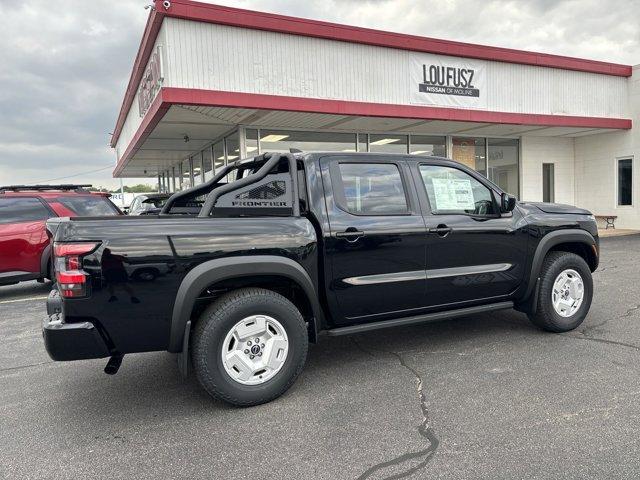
{"x":139,"y":188}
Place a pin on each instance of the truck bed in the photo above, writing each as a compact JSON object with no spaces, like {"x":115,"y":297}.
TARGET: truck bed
{"x":137,"y":270}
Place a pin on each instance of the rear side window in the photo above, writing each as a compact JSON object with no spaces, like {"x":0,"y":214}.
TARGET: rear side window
{"x":22,"y":209}
{"x":88,"y":205}
{"x":373,"y":189}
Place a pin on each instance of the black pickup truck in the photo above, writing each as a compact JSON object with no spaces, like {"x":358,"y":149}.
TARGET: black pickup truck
{"x":238,"y":275}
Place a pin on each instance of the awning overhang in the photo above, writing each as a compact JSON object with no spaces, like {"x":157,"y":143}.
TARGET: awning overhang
{"x":182,"y":121}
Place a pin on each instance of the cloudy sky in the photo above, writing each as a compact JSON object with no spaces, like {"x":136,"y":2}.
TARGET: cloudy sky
{"x":64,"y":64}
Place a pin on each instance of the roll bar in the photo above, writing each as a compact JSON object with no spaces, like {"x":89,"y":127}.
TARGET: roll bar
{"x":272,"y":160}
{"x":202,"y":188}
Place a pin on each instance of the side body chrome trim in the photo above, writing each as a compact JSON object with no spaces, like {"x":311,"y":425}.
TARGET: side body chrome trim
{"x":472,"y":270}
{"x":426,"y":275}
{"x":386,"y":278}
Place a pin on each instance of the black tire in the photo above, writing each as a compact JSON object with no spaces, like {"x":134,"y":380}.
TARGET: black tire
{"x":546,"y":317}
{"x":219,"y":318}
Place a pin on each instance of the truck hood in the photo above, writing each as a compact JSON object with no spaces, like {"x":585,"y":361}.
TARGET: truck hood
{"x":556,"y":208}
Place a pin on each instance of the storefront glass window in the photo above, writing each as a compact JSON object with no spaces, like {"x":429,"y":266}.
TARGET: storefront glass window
{"x":207,"y":165}
{"x":428,"y":145}
{"x":197,"y":168}
{"x":503,"y":163}
{"x":470,"y":152}
{"x":282,"y":141}
{"x":233,"y":147}
{"x":186,"y":174}
{"x":388,"y":143}
{"x":625,"y":182}
{"x":233,"y":153}
{"x":251,"y":142}
{"x":362,"y":142}
{"x":218,"y":155}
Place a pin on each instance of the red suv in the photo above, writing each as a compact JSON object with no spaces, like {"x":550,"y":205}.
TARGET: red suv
{"x":25,"y":253}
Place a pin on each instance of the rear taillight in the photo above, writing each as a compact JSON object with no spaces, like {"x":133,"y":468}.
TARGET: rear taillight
{"x":72,"y":280}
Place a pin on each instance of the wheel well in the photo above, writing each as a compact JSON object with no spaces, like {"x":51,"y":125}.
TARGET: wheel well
{"x":285,"y":286}
{"x":581,"y":249}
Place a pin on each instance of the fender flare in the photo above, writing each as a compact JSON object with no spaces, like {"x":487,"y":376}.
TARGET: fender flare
{"x":549,"y":241}
{"x":214,"y":271}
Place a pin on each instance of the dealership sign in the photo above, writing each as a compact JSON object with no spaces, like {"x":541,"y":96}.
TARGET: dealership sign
{"x":151,"y":81}
{"x":448,"y":81}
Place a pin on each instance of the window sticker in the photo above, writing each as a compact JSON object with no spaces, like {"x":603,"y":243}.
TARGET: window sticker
{"x":453,"y":194}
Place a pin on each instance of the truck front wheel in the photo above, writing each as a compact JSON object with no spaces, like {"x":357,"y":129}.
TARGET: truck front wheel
{"x":249,"y":346}
{"x":566,"y":290}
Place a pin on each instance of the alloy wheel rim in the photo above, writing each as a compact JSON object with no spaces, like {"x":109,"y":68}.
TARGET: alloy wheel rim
{"x":568,"y":293}
{"x":255,"y":349}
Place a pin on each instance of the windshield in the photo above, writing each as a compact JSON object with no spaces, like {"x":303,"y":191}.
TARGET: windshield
{"x":89,"y":205}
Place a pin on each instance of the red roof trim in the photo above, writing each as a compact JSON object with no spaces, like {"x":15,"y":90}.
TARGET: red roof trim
{"x":205,"y":12}
{"x":212,"y":98}
{"x":156,"y":111}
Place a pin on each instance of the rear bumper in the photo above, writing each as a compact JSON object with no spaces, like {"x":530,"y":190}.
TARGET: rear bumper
{"x":70,"y":341}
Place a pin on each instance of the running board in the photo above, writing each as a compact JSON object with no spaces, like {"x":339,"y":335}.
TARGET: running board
{"x":429,"y":317}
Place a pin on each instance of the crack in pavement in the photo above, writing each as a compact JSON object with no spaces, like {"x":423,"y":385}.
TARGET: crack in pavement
{"x":586,"y":331}
{"x":602,"y":340}
{"x":605,"y":268}
{"x":7,"y":369}
{"x":424,"y":429}
{"x":630,"y":311}
{"x":589,"y":328}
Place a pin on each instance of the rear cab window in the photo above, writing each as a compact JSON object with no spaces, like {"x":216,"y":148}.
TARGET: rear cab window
{"x":22,"y":210}
{"x":371,"y":189}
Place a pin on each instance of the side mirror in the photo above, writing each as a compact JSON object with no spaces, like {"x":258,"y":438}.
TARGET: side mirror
{"x":507,"y":203}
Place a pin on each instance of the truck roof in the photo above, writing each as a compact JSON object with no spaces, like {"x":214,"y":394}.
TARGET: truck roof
{"x":405,"y":156}
{"x":47,"y":191}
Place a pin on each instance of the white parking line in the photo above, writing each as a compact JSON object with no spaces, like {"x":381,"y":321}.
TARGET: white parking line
{"x":22,"y":299}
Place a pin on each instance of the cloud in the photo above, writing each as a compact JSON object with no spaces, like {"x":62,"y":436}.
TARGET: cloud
{"x":64,"y":71}
{"x":64,"y":65}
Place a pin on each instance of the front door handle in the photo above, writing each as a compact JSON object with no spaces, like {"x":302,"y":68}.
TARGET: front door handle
{"x":351,"y":234}
{"x":441,"y":230}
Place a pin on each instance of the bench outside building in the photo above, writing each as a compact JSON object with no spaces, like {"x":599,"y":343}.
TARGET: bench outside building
{"x":608,"y":219}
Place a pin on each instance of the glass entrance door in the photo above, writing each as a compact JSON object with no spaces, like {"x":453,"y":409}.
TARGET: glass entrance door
{"x":471,"y":152}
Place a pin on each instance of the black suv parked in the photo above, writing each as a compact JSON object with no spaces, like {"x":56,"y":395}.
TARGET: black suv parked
{"x":303,"y":245}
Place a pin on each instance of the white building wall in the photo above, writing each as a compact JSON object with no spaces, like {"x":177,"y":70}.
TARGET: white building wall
{"x":596,"y":167}
{"x":218,"y":57}
{"x":539,"y":150}
{"x":134,"y":120}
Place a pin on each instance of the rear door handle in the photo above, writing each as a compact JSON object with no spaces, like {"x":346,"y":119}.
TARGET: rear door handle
{"x":441,"y":230}
{"x":351,"y":234}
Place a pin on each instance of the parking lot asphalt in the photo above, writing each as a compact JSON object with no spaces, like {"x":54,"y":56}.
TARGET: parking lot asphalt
{"x":487,"y":396}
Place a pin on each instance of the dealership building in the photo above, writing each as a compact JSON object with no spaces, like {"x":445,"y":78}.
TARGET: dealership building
{"x":212,"y":84}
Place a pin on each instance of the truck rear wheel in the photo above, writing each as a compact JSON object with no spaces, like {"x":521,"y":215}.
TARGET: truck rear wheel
{"x":249,"y":346}
{"x":566,"y":290}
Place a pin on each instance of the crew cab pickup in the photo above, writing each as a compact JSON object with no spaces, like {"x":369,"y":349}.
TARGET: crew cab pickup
{"x":298,"y":246}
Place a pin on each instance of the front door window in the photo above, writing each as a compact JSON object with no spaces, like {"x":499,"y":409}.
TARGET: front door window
{"x":452,"y":191}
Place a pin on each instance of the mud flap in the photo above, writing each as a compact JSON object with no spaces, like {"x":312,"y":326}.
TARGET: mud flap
{"x":183,"y":356}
